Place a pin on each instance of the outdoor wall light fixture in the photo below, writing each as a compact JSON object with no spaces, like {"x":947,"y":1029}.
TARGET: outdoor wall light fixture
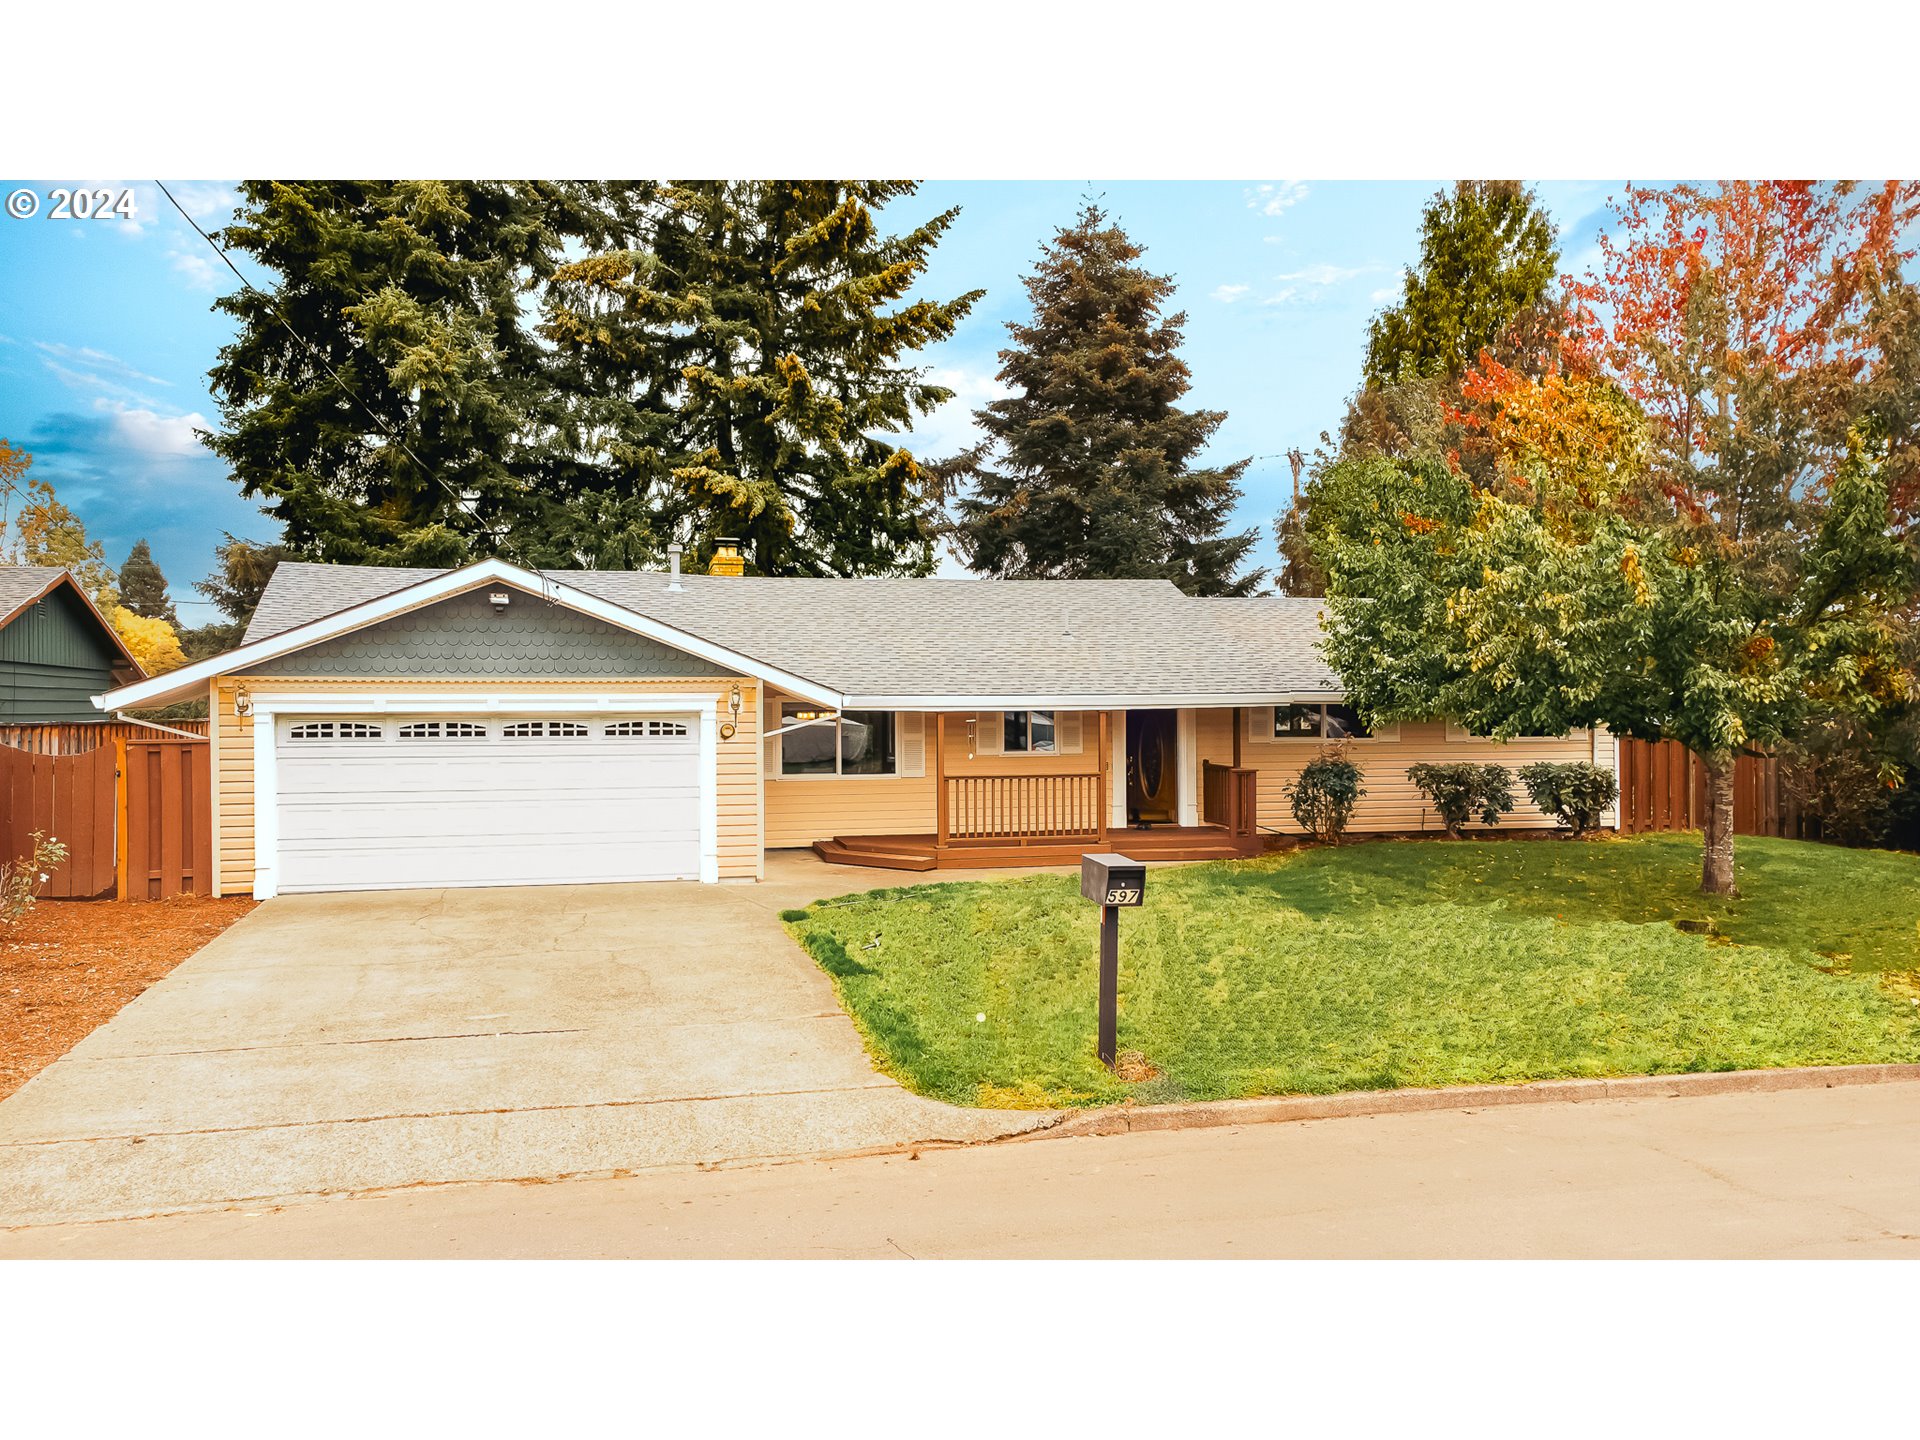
{"x":499,"y":599}
{"x":730,"y":728}
{"x":242,"y":703}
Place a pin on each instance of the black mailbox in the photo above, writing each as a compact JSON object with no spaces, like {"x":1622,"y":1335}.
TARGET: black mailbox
{"x":1112,"y":880}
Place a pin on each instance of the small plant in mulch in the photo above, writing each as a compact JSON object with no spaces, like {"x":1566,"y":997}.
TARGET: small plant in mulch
{"x":22,"y":880}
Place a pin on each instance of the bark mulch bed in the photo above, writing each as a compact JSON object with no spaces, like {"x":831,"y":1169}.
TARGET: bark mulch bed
{"x":70,"y":965}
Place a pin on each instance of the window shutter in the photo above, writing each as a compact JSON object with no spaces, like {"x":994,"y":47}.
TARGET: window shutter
{"x":772,"y":744}
{"x":1066,"y":731}
{"x":989,"y":728}
{"x":1260,"y":724}
{"x":910,"y":738}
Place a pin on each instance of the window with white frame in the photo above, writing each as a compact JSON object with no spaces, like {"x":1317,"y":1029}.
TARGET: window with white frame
{"x":334,"y":730}
{"x":646,"y":729}
{"x":443,"y":730}
{"x":1028,"y":732}
{"x":859,"y":742}
{"x":1318,"y":722}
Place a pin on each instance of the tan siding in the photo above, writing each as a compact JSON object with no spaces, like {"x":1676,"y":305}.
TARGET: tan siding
{"x":738,"y":837}
{"x":1391,"y":801}
{"x":803,"y":809}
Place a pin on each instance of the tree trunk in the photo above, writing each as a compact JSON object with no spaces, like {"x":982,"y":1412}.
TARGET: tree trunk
{"x":1716,"y":871}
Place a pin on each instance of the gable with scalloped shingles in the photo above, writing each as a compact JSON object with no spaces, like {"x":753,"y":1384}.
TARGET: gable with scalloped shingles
{"x":461,"y":638}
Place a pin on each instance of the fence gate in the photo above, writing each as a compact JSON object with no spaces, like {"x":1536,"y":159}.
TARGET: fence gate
{"x":169,"y":820}
{"x":69,"y":798}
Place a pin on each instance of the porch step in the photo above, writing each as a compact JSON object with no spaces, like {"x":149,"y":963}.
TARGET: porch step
{"x":838,"y":852}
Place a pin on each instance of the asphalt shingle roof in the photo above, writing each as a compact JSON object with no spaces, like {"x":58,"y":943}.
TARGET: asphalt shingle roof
{"x":20,"y":583}
{"x":899,"y":637}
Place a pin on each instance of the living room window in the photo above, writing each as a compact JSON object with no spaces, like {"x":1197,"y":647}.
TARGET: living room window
{"x":1318,"y":722}
{"x":860,"y":742}
{"x":1028,"y":732}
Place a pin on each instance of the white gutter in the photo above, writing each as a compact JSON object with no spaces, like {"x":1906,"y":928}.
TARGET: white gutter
{"x":127,"y":719}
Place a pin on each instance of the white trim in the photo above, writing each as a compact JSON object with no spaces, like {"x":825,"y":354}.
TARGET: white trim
{"x":162,"y":688}
{"x":1117,"y":770}
{"x":216,"y":889}
{"x":267,"y":704}
{"x":1186,"y":748}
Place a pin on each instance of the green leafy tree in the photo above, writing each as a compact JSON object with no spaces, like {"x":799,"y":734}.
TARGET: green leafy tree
{"x":1537,"y":618}
{"x":1487,"y":262}
{"x":387,"y":396}
{"x":742,"y":352}
{"x":1088,"y":467}
{"x":143,"y":588}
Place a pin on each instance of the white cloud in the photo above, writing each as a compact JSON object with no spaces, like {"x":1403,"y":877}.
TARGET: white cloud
{"x":201,"y":271}
{"x":1320,"y":275}
{"x":950,"y":429}
{"x":1285,"y":295}
{"x":95,"y":360}
{"x":1384,"y":294}
{"x":204,"y":200}
{"x":153,"y":435}
{"x":1227,"y":294}
{"x":1276,"y":197}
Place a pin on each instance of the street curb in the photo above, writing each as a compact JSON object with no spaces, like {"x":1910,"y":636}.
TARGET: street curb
{"x":1272,"y":1109}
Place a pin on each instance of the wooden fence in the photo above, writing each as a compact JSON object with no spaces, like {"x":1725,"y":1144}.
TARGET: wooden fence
{"x":69,"y":798}
{"x":80,"y":737}
{"x":1663,"y":786}
{"x":135,"y":815}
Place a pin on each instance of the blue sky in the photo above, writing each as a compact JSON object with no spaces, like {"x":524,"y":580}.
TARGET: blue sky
{"x":107,"y":330}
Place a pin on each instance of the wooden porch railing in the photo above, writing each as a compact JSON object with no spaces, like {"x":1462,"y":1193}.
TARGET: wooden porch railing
{"x":1022,"y":808}
{"x":1229,"y":798}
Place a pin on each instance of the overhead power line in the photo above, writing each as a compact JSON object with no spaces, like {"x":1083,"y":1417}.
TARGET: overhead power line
{"x":460,"y":502}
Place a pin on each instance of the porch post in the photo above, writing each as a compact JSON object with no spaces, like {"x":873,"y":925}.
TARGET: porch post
{"x":1106,"y":777}
{"x":940,"y":778}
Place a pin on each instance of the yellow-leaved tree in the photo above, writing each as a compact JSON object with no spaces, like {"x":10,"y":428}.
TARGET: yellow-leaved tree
{"x":152,"y":641}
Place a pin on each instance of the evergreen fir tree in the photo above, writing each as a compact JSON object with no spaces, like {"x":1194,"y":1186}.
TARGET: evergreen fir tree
{"x":741,"y":352}
{"x":1487,"y":259}
{"x":388,"y":399}
{"x":143,"y":588}
{"x":1087,"y":471}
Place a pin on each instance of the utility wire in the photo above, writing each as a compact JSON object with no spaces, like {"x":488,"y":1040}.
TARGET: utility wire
{"x":460,"y":502}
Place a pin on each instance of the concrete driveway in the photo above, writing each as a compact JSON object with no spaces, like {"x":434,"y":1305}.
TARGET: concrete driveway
{"x":339,"y":1043}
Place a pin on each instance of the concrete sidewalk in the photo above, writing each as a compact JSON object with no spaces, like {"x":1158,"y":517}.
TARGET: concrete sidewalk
{"x":338,"y":1043}
{"x":1791,"y":1174}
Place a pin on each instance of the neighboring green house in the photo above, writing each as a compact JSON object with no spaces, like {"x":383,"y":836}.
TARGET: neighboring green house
{"x":56,"y":649}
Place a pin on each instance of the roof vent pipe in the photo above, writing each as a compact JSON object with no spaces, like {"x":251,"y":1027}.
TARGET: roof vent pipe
{"x":673,"y":561}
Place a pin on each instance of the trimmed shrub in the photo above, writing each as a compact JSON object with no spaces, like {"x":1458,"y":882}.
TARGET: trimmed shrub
{"x":1460,"y":790}
{"x":1573,"y":793}
{"x":1325,"y":793}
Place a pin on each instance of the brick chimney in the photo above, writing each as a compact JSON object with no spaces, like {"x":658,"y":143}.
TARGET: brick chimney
{"x":727,"y":559}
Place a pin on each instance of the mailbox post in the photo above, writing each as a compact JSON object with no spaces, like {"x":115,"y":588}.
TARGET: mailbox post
{"x":1111,"y":882}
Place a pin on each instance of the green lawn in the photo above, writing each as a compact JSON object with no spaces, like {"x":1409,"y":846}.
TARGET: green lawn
{"x":1393,"y":963}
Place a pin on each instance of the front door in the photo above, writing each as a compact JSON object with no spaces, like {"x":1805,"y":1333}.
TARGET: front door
{"x":1153,"y":771}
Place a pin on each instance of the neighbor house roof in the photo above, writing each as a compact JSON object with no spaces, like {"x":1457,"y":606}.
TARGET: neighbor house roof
{"x":23,"y":585}
{"x":880,"y":643}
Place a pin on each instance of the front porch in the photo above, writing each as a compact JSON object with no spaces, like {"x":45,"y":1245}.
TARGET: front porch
{"x":1011,"y":818}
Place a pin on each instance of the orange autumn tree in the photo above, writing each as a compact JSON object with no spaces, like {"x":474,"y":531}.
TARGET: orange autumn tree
{"x":1740,"y":317}
{"x":1686,"y":532}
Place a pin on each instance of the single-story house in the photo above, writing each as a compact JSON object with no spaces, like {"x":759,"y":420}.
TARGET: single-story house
{"x":57,"y":650}
{"x":488,"y":725}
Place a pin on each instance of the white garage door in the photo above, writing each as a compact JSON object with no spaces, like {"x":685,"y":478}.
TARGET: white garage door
{"x":389,"y":803}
